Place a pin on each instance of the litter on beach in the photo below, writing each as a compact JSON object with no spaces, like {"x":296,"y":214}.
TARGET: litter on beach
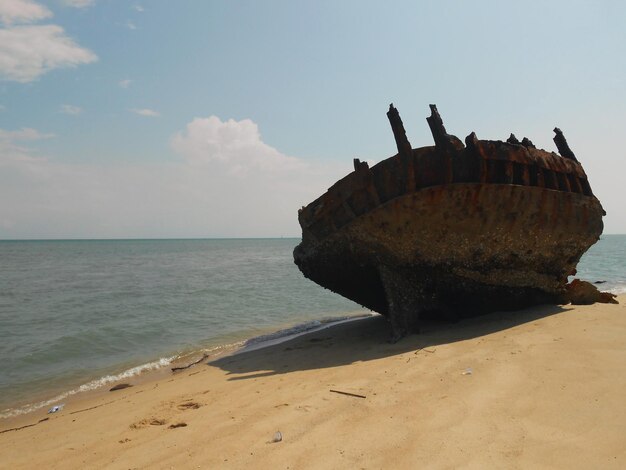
{"x":56,"y":408}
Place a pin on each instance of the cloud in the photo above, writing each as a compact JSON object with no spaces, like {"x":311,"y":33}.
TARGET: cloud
{"x":195,"y":195}
{"x":125,"y":83}
{"x":2,"y":107}
{"x":78,"y":3}
{"x":70,"y":109}
{"x":12,"y":150}
{"x":130,"y":25}
{"x":22,"y":11}
{"x":139,"y":8}
{"x":235,"y":145}
{"x":145,"y":112}
{"x":27,"y":52}
{"x":25,"y":133}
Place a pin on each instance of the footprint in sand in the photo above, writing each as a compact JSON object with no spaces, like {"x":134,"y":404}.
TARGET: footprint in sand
{"x":148,"y":422}
{"x":187,"y":405}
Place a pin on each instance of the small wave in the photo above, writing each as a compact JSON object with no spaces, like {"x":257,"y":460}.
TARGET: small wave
{"x":614,"y":284}
{"x":615,"y":287}
{"x":618,"y":288}
{"x":94,"y":384}
{"x":252,"y":343}
{"x":280,"y":335}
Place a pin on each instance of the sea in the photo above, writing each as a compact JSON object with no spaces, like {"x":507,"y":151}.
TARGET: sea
{"x":77,"y":315}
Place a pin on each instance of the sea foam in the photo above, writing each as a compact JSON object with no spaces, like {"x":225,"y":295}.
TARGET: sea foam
{"x":92,"y":385}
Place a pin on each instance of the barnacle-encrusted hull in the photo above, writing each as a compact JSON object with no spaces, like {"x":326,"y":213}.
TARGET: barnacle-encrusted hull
{"x":451,"y":229}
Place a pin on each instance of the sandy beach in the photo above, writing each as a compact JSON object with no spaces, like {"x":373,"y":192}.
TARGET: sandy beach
{"x":539,"y":388}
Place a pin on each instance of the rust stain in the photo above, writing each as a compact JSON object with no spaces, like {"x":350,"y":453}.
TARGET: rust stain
{"x":433,"y":228}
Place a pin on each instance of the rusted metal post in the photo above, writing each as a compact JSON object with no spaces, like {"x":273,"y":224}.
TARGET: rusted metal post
{"x":403,"y":144}
{"x":561,"y":145}
{"x":404,"y":148}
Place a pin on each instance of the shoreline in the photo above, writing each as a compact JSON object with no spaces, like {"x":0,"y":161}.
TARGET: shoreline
{"x":515,"y":389}
{"x":160,"y":367}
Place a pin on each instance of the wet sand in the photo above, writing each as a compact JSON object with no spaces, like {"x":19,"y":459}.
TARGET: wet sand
{"x":540,"y":388}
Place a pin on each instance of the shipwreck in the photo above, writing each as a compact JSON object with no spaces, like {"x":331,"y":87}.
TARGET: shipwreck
{"x":455,"y":229}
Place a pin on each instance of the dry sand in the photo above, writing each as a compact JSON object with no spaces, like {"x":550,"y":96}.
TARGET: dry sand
{"x":541,"y":388}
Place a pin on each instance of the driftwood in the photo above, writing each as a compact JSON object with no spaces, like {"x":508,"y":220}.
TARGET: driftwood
{"x":119,"y":387}
{"x":176,"y":369}
{"x":348,"y":393}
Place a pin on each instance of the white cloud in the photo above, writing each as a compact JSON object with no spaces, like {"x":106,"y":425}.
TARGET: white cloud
{"x":130,"y":25}
{"x":78,"y":3}
{"x":139,"y":8}
{"x":22,"y":11}
{"x":125,"y":83}
{"x":197,"y":195}
{"x":236,"y":145}
{"x":27,"y":52}
{"x":12,"y":150}
{"x":70,"y":109}
{"x":145,"y":112}
{"x":25,"y":133}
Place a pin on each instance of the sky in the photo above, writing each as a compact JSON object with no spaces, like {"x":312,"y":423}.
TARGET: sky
{"x":202,"y":118}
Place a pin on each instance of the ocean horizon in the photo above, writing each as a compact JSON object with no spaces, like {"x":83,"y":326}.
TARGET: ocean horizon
{"x":78,"y":314}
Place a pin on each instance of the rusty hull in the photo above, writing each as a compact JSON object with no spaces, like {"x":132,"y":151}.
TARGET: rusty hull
{"x":451,"y":229}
